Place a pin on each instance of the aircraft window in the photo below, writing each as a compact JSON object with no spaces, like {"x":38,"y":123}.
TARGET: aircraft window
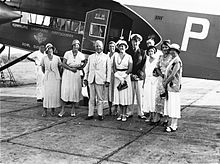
{"x":97,"y":30}
{"x":81,"y":28}
{"x":39,"y":19}
{"x":33,"y":18}
{"x":25,"y":17}
{"x":75,"y":26}
{"x":46,"y":21}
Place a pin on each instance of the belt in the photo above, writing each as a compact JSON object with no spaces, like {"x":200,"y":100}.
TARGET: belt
{"x":121,"y":69}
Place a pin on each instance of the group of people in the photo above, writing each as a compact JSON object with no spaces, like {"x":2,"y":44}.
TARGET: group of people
{"x":152,"y":77}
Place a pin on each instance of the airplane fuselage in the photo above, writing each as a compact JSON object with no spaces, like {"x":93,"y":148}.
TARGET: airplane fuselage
{"x":196,"y":33}
{"x":61,"y":22}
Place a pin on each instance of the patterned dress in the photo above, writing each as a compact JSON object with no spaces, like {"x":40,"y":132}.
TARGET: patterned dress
{"x":162,"y":64}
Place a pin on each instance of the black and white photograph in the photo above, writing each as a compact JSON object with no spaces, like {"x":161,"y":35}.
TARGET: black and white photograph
{"x":109,"y":82}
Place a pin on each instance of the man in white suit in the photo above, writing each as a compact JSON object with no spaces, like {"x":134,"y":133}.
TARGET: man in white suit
{"x":97,"y":76}
{"x":36,"y":57}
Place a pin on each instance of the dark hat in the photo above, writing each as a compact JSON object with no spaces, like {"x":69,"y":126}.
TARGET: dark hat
{"x":152,"y":47}
{"x":166,"y":42}
{"x":136,"y":37}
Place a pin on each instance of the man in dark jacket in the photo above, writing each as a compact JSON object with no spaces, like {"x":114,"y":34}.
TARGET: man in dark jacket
{"x":137,"y":76}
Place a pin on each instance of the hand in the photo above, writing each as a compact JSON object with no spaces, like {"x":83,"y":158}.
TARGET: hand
{"x":85,"y":82}
{"x":164,"y":84}
{"x":107,"y":84}
{"x":74,"y":70}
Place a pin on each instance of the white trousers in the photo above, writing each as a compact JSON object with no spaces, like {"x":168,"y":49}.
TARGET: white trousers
{"x":40,"y":83}
{"x":137,"y":92}
{"x":96,"y":90}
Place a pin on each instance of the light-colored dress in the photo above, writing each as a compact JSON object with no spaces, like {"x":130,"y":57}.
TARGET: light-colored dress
{"x":162,"y":64}
{"x":71,"y":87}
{"x":51,"y":82}
{"x":150,"y":86}
{"x":123,"y":97}
{"x":109,"y":92}
{"x":172,"y":105}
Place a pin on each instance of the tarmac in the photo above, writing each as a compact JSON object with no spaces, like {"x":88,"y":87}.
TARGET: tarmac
{"x":28,"y":138}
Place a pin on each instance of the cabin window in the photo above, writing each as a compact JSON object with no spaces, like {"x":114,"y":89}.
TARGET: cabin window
{"x":97,"y":30}
{"x":52,"y":22}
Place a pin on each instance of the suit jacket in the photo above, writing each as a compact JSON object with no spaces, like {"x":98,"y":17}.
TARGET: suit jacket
{"x":98,"y":68}
{"x":139,"y":59}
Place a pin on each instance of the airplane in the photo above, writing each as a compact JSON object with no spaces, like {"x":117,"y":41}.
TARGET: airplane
{"x":7,"y":14}
{"x":59,"y":22}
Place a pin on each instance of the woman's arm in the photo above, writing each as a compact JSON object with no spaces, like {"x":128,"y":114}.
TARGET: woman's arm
{"x":171,"y":76}
{"x":64,"y":65}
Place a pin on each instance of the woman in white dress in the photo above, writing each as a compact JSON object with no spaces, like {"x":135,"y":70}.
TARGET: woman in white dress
{"x":150,"y":84}
{"x":122,"y":65}
{"x":50,"y":66}
{"x":71,"y":87}
{"x":110,"y":89}
{"x":172,"y":81}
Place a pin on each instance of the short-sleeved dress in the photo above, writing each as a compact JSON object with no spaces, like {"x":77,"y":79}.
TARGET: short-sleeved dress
{"x":109,"y":93}
{"x":150,"y":85}
{"x":162,"y":64}
{"x":71,"y":87}
{"x":123,"y":97}
{"x":51,"y":82}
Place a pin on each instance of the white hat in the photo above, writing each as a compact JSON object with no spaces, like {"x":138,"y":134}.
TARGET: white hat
{"x":151,"y":41}
{"x":75,"y":41}
{"x":120,"y":42}
{"x":136,"y":37}
{"x":175,"y":46}
{"x":49,"y":45}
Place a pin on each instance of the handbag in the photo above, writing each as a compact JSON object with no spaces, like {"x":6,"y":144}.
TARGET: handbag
{"x":123,"y":86}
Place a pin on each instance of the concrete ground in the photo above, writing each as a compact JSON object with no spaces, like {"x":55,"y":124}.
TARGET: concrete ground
{"x":28,"y":138}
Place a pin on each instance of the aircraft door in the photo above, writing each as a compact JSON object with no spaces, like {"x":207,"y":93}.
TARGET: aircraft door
{"x":95,"y":28}
{"x":120,"y":26}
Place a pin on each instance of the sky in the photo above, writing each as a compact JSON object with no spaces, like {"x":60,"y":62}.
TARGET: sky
{"x":199,"y":6}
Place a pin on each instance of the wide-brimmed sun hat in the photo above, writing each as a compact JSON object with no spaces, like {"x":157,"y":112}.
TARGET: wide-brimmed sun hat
{"x":175,"y":47}
{"x":136,"y":37}
{"x":122,"y":42}
{"x":48,"y":46}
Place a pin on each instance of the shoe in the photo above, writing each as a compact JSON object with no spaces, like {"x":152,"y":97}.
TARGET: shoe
{"x":119,"y":117}
{"x":100,"y":118}
{"x":89,"y":118}
{"x":129,"y":116}
{"x":148,"y":119}
{"x":142,"y":117}
{"x":124,"y":118}
{"x":61,"y":114}
{"x":73,"y":114}
{"x":170,"y":129}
